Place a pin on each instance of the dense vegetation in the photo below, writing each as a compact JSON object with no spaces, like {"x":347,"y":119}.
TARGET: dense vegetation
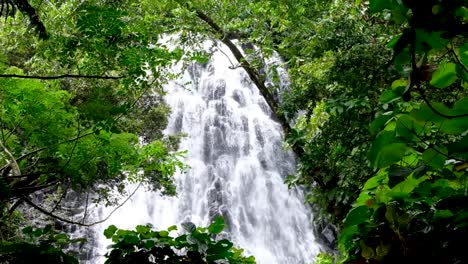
{"x":377,"y":96}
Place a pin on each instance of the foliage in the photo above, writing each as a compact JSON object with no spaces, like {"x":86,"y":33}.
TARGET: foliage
{"x":324,"y":258}
{"x":335,"y":85}
{"x":51,"y":146}
{"x":81,"y":99}
{"x":42,"y":245}
{"x":415,"y":206}
{"x":83,"y":133}
{"x":196,"y":245}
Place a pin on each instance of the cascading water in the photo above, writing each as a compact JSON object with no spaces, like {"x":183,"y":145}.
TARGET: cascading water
{"x":237,"y":168}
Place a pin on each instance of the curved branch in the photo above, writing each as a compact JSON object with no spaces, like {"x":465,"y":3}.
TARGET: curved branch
{"x":27,"y":9}
{"x":64,"y":76}
{"x":423,"y":96}
{"x":44,"y":211}
{"x":59,"y":143}
{"x":416,"y":82}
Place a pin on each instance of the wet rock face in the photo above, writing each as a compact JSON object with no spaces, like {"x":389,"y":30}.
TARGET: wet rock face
{"x":238,"y":96}
{"x":216,"y":90}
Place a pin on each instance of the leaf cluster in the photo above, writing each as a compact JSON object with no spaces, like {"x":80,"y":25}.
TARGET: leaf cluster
{"x":195,"y":245}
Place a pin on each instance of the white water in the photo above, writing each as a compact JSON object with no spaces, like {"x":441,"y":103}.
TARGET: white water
{"x":237,"y":169}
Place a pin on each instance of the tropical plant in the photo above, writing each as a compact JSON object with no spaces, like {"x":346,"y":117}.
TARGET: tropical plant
{"x":195,"y":245}
{"x":414,"y":208}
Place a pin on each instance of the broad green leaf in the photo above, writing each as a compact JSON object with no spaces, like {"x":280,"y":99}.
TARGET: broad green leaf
{"x":399,"y":85}
{"x":364,"y":199}
{"x":163,"y":233}
{"x":455,"y":126}
{"x":345,"y":237}
{"x":445,"y":75}
{"x":385,"y":151}
{"x":149,"y":244}
{"x":110,"y":231}
{"x":375,"y":181}
{"x":459,"y":147}
{"x":217,"y":226}
{"x":404,"y":188}
{"x":389,"y":96}
{"x":443,"y":214}
{"x":143,"y":229}
{"x":408,"y":127}
{"x":433,"y":158}
{"x":425,"y":113}
{"x":379,"y":123}
{"x":357,"y":216}
{"x":460,"y":107}
{"x":426,"y":41}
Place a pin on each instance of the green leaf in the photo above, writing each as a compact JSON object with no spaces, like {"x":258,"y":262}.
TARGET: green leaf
{"x":380,"y":5}
{"x":455,"y":126}
{"x":110,"y":231}
{"x":385,"y":152}
{"x":27,"y":230}
{"x":357,"y":216}
{"x":399,"y":86}
{"x":463,"y":53}
{"x":149,"y":244}
{"x":163,"y":233}
{"x":389,"y":96}
{"x":404,"y":188}
{"x":217,"y":226}
{"x":379,"y":123}
{"x":433,"y":158}
{"x":426,"y":41}
{"x":143,"y":229}
{"x":460,"y":107}
{"x":375,"y":181}
{"x":445,"y":75}
{"x":443,"y":214}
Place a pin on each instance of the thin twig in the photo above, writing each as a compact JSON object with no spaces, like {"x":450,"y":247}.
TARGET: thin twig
{"x":64,"y":193}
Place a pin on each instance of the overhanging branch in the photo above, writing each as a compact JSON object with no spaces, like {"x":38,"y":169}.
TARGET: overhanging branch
{"x":44,"y":211}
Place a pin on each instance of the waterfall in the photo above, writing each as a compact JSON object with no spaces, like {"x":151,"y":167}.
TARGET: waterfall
{"x":237,"y":168}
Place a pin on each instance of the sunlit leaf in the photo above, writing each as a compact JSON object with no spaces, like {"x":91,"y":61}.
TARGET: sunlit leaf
{"x":445,"y":75}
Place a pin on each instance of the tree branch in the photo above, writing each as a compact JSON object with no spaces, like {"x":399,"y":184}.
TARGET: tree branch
{"x":416,"y":82}
{"x":42,"y":210}
{"x":64,"y":76}
{"x":423,"y":96}
{"x":59,"y":143}
{"x":27,"y":9}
